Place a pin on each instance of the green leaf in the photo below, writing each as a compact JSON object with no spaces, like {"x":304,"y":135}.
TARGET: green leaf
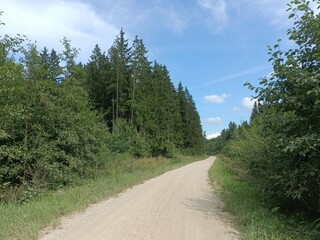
{"x":291,"y":15}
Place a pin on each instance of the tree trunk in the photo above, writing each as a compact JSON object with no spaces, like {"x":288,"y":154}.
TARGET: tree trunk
{"x":133,"y":92}
{"x":117,"y":103}
{"x":113,"y":116}
{"x":318,"y":205}
{"x":26,"y":150}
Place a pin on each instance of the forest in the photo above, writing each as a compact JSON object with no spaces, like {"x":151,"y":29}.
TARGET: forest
{"x":62,"y":120}
{"x":278,"y":150}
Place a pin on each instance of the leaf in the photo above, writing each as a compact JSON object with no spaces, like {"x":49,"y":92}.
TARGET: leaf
{"x":291,"y":15}
{"x":312,"y":174}
{"x":275,"y":209}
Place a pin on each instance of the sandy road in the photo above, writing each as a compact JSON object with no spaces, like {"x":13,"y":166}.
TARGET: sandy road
{"x":178,"y":205}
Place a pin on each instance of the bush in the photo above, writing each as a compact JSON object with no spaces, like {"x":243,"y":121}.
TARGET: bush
{"x":125,"y":139}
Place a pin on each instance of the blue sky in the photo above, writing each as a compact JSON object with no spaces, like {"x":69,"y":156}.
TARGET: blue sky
{"x":212,"y":46}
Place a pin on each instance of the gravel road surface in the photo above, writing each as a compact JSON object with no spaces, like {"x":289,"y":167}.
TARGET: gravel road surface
{"x":178,"y":205}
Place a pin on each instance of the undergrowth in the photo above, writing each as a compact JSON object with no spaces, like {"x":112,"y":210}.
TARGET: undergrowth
{"x":24,"y":221}
{"x":255,"y":218}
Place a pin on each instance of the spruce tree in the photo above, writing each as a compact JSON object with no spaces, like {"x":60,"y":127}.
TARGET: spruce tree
{"x":119,"y":55}
{"x":191,"y":125}
{"x":98,"y":82}
{"x":166,"y":111}
{"x":141,"y":83}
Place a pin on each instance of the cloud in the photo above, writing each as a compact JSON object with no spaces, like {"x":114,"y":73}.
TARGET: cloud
{"x":135,"y":14}
{"x":175,"y":19}
{"x":217,"y":13}
{"x":214,"y":120}
{"x":216,"y":99}
{"x":248,"y":103}
{"x":214,"y":135}
{"x":47,"y":22}
{"x":223,"y":11}
{"x":274,"y":11}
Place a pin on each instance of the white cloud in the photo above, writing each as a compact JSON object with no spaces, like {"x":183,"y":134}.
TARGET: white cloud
{"x":273,"y":10}
{"x":217,"y":10}
{"x":214,"y":120}
{"x":248,"y":103}
{"x":47,"y":22}
{"x":175,"y":19}
{"x":216,"y":99}
{"x":214,"y":135}
{"x":134,"y":14}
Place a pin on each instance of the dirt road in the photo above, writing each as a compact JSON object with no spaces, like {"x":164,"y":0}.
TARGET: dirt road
{"x":178,"y":205}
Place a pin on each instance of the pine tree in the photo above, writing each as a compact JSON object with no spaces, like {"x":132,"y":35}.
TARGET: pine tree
{"x":98,"y":82}
{"x":166,"y":112}
{"x":119,"y":55}
{"x":141,"y":81}
{"x":55,"y":69}
{"x":50,"y":64}
{"x":192,"y":131}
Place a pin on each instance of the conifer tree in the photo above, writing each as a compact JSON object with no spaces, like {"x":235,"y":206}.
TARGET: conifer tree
{"x":119,"y":55}
{"x":51,"y":64}
{"x":99,"y":84}
{"x":165,"y":110}
{"x":141,"y":82}
{"x":191,"y":126}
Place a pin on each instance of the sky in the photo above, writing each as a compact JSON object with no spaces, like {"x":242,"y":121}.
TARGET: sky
{"x":212,"y":46}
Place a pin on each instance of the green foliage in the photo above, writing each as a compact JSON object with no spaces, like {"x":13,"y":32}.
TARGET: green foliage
{"x":279,"y":150}
{"x":250,"y":155}
{"x":219,"y":144}
{"x":49,"y":137}
{"x":124,"y":88}
{"x":125,"y":139}
{"x":291,"y":111}
{"x":119,"y":55}
{"x":50,"y":64}
{"x":191,"y":130}
{"x":255,"y":218}
{"x":58,"y":117}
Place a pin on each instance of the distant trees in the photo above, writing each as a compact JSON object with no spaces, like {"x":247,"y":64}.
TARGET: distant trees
{"x":192,"y":134}
{"x":124,"y":85}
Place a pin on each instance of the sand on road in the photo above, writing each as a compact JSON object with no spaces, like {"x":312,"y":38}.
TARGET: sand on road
{"x":178,"y":205}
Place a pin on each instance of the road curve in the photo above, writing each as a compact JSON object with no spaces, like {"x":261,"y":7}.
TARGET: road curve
{"x":178,"y":205}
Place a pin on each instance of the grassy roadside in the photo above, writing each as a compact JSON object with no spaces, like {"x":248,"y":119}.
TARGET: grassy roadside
{"x":253,"y":219}
{"x":25,"y":221}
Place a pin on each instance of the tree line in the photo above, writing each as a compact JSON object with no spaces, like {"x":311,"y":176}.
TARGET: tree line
{"x":124,"y":85}
{"x":278,"y":150}
{"x":62,"y":120}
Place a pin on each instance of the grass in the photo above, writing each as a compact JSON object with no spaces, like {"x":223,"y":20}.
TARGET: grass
{"x":24,"y":221}
{"x":253,"y":219}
